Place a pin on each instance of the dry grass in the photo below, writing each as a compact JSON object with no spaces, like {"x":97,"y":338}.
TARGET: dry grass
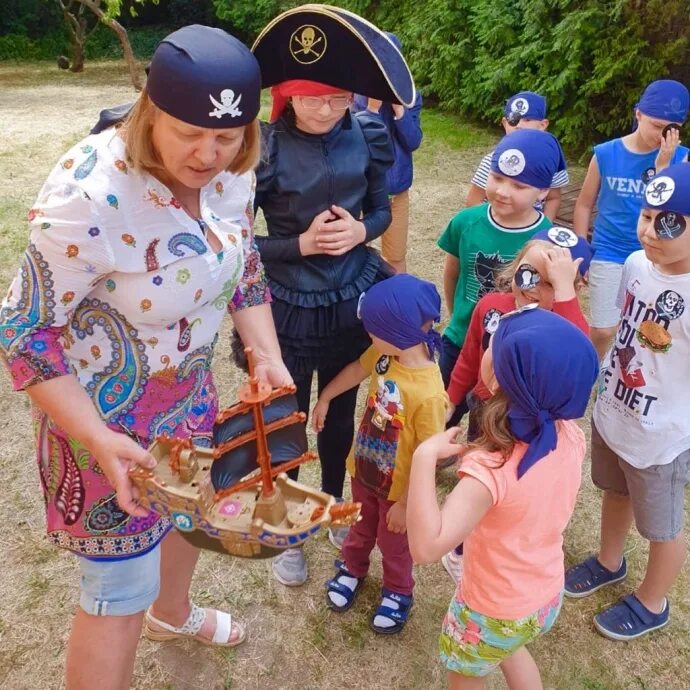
{"x":295,"y":642}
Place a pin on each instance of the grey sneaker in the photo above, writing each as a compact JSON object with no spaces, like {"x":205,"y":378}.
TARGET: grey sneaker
{"x":290,"y":568}
{"x":336,"y":535}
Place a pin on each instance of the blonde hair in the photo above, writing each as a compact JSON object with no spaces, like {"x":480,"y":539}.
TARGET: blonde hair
{"x":494,"y":430}
{"x":142,"y":155}
{"x":504,"y":279}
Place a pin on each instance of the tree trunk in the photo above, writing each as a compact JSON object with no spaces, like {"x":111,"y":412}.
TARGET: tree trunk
{"x":134,"y":75}
{"x":121,"y":32}
{"x":78,"y":42}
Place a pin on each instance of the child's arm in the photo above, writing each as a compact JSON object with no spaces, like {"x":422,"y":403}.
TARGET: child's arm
{"x":552,"y":203}
{"x":352,"y":375}
{"x":465,"y":373}
{"x":431,"y":531}
{"x":451,"y":273}
{"x":475,"y":196}
{"x":582,"y":215}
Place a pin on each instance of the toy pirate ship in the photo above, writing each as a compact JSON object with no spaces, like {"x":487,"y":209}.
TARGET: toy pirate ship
{"x":231,"y":498}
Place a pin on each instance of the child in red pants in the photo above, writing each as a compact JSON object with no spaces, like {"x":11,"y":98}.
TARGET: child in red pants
{"x":406,"y":404}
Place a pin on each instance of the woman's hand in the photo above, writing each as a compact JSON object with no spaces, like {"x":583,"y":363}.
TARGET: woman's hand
{"x":274,"y":372}
{"x":318,"y":415}
{"x":116,"y":454}
{"x":396,"y":518}
{"x":561,"y":272}
{"x":668,"y":147}
{"x":308,"y":239}
{"x":340,"y":235}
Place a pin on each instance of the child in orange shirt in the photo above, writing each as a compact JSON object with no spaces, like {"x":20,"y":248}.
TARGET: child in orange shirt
{"x":516,"y":494}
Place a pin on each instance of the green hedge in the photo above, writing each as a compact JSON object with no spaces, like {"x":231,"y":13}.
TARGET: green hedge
{"x":103,"y":44}
{"x":590,"y":58}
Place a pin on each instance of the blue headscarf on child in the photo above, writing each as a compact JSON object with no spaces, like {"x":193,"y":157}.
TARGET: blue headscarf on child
{"x":670,"y":190}
{"x":530,"y":105}
{"x":665,"y":99}
{"x":546,"y":367}
{"x":530,"y":156}
{"x":565,"y":237}
{"x":396,"y":309}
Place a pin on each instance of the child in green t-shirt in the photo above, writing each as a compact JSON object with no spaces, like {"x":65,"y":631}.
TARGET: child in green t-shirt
{"x":480,"y":240}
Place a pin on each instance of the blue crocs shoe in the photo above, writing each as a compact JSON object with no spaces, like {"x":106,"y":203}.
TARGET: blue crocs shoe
{"x":587,"y":577}
{"x":629,"y":618}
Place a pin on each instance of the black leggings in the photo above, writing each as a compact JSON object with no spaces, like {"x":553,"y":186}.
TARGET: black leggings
{"x":334,"y":442}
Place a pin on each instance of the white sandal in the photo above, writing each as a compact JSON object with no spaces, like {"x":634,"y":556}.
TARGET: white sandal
{"x":192,"y":626}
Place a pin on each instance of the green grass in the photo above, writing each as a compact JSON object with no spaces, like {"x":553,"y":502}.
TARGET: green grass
{"x":451,"y":131}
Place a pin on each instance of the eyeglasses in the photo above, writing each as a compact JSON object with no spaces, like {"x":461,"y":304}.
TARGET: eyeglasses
{"x":334,"y":102}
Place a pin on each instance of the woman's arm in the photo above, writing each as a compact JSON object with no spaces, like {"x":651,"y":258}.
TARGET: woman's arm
{"x":475,"y":196}
{"x":582,"y":215}
{"x":115,"y":452}
{"x":257,"y":330}
{"x":431,"y":531}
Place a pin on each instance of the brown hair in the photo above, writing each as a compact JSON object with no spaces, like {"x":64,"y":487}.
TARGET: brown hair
{"x":494,"y":432}
{"x":504,"y":278}
{"x":142,"y":155}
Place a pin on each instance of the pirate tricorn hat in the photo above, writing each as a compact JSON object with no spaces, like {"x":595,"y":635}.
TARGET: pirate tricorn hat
{"x":336,"y":47}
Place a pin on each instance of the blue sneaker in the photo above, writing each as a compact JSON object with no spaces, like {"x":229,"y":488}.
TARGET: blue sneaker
{"x":629,"y":618}
{"x":587,"y":577}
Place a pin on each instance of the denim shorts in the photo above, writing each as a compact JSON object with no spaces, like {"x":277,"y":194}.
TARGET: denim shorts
{"x":604,"y":281}
{"x":120,"y":588}
{"x":657,"y":493}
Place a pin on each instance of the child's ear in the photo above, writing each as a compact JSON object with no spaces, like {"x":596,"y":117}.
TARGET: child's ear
{"x":545,"y":124}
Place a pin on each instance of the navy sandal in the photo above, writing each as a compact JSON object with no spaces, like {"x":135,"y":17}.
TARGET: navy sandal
{"x":587,"y":577}
{"x":337,"y":587}
{"x":399,"y":616}
{"x":630,"y":618}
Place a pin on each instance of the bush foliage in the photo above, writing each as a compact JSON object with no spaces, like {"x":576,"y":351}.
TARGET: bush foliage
{"x":590,"y":58}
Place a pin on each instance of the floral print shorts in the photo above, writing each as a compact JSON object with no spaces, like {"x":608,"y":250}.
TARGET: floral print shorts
{"x":473,"y":644}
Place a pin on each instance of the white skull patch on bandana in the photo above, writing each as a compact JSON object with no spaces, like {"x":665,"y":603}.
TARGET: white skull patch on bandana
{"x":511,"y":162}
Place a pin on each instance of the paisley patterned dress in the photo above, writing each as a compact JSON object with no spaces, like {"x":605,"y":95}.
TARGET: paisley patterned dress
{"x":120,"y":287}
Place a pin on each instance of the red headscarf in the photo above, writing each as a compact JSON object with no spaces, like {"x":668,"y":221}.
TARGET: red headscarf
{"x":297,"y":87}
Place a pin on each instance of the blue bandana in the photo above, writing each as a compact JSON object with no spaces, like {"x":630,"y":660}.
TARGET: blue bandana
{"x":205,"y":77}
{"x":564,"y":237}
{"x":396,"y":309}
{"x":530,"y":156}
{"x":670,"y":190}
{"x":546,"y":367}
{"x":665,"y":99}
{"x":529,"y":105}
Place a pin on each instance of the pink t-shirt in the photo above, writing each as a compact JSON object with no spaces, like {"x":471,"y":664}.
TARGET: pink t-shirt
{"x":514,"y":557}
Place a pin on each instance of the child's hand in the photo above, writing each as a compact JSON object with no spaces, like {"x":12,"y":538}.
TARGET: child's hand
{"x":668,"y":147}
{"x":561,"y":271}
{"x":396,"y":519}
{"x":318,"y":415}
{"x":440,"y":446}
{"x":450,"y":411}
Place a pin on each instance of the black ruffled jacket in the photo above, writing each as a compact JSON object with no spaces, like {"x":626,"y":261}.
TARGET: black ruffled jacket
{"x":301,"y":175}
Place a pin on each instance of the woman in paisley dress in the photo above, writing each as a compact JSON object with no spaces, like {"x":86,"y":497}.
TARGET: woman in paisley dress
{"x":141,"y":239}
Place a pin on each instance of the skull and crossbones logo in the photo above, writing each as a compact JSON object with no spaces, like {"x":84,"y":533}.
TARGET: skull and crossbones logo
{"x":660,"y":190}
{"x":511,"y":162}
{"x":519,"y":105}
{"x":563,"y":237}
{"x":308,"y":44}
{"x":670,"y":304}
{"x":228,"y":104}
